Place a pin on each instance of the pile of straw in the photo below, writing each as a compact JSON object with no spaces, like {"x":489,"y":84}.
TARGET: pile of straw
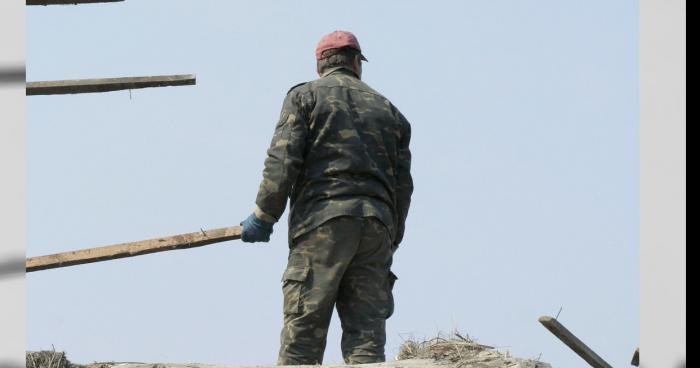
{"x":47,"y":359}
{"x":462,"y":352}
{"x":454,"y":348}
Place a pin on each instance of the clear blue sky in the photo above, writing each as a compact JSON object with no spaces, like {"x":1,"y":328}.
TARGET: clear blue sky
{"x":525,"y":143}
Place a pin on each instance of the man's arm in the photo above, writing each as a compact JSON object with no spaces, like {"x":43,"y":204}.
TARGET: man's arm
{"x":404,"y":180}
{"x":284,"y":160}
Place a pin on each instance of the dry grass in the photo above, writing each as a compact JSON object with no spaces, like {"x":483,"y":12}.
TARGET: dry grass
{"x":460,"y":351}
{"x":453,"y":348}
{"x":47,"y":359}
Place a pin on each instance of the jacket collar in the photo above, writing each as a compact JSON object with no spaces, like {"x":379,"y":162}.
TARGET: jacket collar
{"x":341,"y":70}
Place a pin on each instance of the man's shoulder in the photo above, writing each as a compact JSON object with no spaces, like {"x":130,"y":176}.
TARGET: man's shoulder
{"x":296,"y":86}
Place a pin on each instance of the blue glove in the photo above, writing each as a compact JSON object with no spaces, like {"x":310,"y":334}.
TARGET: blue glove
{"x":255,"y":230}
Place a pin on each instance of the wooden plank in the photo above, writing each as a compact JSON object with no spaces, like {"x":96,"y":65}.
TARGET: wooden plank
{"x":107,"y":84}
{"x":573,"y":342}
{"x":69,"y":2}
{"x":183,"y":241}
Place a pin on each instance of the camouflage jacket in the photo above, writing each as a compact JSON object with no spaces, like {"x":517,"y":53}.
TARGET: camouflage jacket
{"x":339,"y":149}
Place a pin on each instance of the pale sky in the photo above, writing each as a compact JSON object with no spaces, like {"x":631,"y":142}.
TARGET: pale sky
{"x":525,"y":145}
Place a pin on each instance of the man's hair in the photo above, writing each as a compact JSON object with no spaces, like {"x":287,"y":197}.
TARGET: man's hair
{"x":344,"y":56}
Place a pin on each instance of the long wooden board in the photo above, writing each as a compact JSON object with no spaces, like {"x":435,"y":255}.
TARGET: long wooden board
{"x":62,"y":87}
{"x":573,"y":342}
{"x":68,"y":2}
{"x":183,"y":241}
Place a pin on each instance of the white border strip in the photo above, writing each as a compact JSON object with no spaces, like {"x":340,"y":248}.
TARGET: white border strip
{"x":663,"y":183}
{"x":12,"y":185}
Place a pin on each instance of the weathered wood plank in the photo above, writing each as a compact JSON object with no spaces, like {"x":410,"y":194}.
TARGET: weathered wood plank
{"x":635,"y":358}
{"x":107,"y":84}
{"x":183,"y":241}
{"x":573,"y":342}
{"x":69,"y":2}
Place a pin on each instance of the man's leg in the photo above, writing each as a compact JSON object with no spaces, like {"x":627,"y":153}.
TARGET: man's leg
{"x":364,"y":298}
{"x":317,"y":262}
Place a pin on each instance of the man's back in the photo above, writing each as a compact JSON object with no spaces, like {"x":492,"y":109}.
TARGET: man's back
{"x":351,"y":152}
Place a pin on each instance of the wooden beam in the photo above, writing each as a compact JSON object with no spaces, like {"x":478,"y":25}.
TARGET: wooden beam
{"x":107,"y":84}
{"x":68,"y":2}
{"x":573,"y":342}
{"x":635,"y":358}
{"x":183,"y":241}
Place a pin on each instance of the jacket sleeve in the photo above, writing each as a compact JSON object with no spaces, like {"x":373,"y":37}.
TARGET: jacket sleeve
{"x":284,"y":160}
{"x":404,"y":180}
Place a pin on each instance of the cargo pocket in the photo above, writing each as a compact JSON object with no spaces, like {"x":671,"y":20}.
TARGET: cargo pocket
{"x":292,"y":288}
{"x":391,"y":280}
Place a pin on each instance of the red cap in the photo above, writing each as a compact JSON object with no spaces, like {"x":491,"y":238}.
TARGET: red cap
{"x":337,"y":40}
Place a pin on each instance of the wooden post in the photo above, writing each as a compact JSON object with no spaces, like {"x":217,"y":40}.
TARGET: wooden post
{"x":107,"y":84}
{"x":573,"y":342}
{"x":68,"y":2}
{"x":183,"y":241}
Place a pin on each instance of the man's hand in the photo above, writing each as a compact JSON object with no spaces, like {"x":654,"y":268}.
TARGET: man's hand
{"x":255,"y":230}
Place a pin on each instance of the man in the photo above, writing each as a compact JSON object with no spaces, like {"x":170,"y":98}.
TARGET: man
{"x":340,"y":153}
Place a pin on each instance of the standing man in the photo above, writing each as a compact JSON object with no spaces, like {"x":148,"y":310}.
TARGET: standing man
{"x":340,"y":153}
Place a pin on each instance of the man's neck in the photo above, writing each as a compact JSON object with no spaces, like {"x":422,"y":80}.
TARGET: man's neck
{"x":341,"y":69}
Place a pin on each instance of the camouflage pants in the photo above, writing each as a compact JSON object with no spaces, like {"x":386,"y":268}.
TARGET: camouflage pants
{"x":343,"y":263}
